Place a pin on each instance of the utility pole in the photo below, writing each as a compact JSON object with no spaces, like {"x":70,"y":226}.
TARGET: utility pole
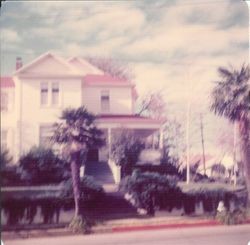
{"x":188,"y":142}
{"x":234,"y":154}
{"x":202,"y":143}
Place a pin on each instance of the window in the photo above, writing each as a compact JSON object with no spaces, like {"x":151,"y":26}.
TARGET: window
{"x":44,"y":93}
{"x":4,"y":101}
{"x":4,"y":139}
{"x":55,"y":93}
{"x":45,"y":134}
{"x":105,"y":101}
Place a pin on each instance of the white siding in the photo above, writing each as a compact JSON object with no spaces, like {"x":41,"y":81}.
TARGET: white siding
{"x":120,"y":99}
{"x":33,"y":114}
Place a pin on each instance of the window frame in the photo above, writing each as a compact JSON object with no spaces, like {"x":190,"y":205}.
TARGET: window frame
{"x":46,"y":93}
{"x":55,"y":91}
{"x":105,"y":101}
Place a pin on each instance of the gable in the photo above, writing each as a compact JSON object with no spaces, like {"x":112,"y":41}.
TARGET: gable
{"x":47,"y":65}
{"x":84,"y":66}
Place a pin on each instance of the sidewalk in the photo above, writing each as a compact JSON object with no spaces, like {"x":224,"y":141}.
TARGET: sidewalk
{"x":122,"y":225}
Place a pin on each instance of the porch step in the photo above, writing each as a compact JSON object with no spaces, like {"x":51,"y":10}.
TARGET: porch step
{"x":100,"y":171}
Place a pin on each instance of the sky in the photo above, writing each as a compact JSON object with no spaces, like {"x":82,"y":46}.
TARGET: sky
{"x":172,"y":46}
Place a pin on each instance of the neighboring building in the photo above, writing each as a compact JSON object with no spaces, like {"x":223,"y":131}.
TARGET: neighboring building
{"x":33,"y":98}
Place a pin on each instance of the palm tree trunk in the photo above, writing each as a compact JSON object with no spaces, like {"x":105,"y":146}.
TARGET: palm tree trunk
{"x":75,"y":173}
{"x":245,"y":147}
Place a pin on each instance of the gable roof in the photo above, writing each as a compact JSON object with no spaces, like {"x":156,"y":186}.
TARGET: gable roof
{"x":84,"y":66}
{"x":68,"y":68}
{"x":7,"y":82}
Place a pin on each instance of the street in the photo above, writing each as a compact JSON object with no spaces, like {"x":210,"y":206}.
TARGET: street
{"x":218,"y":235}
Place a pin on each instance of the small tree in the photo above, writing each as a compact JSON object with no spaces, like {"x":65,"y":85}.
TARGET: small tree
{"x":77,"y":133}
{"x":173,"y":144}
{"x":125,"y":150}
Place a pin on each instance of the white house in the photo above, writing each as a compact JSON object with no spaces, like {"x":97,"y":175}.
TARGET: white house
{"x":33,"y":98}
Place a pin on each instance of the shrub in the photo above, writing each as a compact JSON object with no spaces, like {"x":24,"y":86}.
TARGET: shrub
{"x":80,"y":225}
{"x":167,"y":169}
{"x":42,"y":166}
{"x":9,"y":173}
{"x":89,"y":189}
{"x":210,"y":194}
{"x":125,"y":151}
{"x":5,"y":158}
{"x":237,"y":216}
{"x":151,"y":190}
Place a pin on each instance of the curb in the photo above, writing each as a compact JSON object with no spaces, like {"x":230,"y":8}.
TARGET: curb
{"x":165,"y":226}
{"x":101,"y":230}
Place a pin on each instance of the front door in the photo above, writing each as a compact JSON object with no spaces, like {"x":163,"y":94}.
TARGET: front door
{"x":92,"y":155}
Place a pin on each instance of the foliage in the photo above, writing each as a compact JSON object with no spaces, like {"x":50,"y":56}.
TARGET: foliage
{"x":89,"y":189}
{"x":9,"y":173}
{"x":210,"y":194}
{"x":231,"y":99}
{"x":150,"y":190}
{"x":173,"y":142}
{"x":42,"y":166}
{"x":77,"y":125}
{"x":219,"y":168}
{"x":231,"y":96}
{"x":125,"y":150}
{"x":164,"y":168}
{"x":78,"y":133}
{"x":237,"y":216}
{"x":80,"y":225}
{"x":5,"y":158}
{"x":153,"y":105}
{"x":113,"y":67}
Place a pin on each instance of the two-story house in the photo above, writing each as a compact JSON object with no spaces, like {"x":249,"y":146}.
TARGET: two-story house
{"x":33,"y":98}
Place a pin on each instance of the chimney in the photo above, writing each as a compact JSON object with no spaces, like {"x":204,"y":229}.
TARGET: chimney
{"x":19,"y":63}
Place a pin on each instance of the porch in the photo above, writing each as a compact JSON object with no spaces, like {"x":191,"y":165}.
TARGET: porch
{"x":144,"y":128}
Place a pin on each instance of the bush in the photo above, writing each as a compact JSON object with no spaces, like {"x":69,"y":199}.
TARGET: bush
{"x":210,"y":194}
{"x":237,"y":216}
{"x":125,"y":151}
{"x":89,"y":189}
{"x":9,"y":173}
{"x":80,"y":225}
{"x":167,"y":169}
{"x":151,"y":190}
{"x":42,"y":166}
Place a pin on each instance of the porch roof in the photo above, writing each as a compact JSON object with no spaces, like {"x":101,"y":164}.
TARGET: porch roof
{"x":128,"y":121}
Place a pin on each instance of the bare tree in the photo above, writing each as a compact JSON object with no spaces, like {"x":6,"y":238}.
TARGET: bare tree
{"x":153,"y":105}
{"x":113,"y":67}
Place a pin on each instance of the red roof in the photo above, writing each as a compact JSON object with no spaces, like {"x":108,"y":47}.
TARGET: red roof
{"x":103,"y":78}
{"x":128,"y":118}
{"x":7,"y":82}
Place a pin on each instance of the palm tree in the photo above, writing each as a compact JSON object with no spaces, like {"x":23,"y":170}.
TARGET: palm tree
{"x":231,"y":99}
{"x":76,"y":133}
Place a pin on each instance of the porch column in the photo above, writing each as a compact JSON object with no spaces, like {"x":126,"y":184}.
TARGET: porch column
{"x":109,"y":142}
{"x":161,"y":138}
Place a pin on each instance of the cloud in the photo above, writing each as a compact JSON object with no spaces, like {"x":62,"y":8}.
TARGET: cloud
{"x":10,"y":36}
